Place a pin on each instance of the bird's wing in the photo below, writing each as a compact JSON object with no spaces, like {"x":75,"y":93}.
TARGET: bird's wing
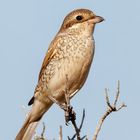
{"x":49,"y":55}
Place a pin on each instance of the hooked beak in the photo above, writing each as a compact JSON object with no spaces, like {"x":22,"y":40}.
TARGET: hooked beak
{"x":96,"y":19}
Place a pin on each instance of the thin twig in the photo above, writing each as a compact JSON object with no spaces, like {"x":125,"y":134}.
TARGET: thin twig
{"x":79,"y":129}
{"x":110,"y":109}
{"x":42,"y":134}
{"x":117,"y":93}
{"x":43,"y":131}
{"x":76,"y":129}
{"x":123,"y":105}
{"x":83,"y":117}
{"x":107,"y":99}
{"x":60,"y":133}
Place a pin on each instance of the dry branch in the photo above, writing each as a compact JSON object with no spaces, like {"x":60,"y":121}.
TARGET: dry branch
{"x":42,"y":134}
{"x":60,"y":133}
{"x":70,"y":115}
{"x":110,"y":108}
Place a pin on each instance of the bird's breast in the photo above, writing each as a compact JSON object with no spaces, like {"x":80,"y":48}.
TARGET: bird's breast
{"x":73,"y":58}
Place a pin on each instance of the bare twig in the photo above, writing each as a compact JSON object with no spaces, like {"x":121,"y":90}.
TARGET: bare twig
{"x":60,"y":133}
{"x":42,"y":134}
{"x":117,"y":93}
{"x":83,"y":117}
{"x":43,"y":131}
{"x":110,"y":109}
{"x":78,"y":130}
{"x":70,"y":115}
{"x":80,"y":127}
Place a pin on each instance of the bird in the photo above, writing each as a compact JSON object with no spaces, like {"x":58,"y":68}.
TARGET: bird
{"x":70,"y":53}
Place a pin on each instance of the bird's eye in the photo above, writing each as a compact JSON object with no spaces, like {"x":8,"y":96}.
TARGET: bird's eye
{"x":79,"y":17}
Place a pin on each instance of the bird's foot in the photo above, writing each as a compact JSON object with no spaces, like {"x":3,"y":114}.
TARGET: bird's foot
{"x":70,"y":115}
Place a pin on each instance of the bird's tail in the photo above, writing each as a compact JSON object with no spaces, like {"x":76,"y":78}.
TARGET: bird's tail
{"x":36,"y":113}
{"x":27,"y":130}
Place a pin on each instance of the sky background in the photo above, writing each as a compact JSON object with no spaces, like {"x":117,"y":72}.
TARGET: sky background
{"x":26,"y":29}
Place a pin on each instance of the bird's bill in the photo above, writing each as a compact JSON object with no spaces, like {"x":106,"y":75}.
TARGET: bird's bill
{"x":96,"y":19}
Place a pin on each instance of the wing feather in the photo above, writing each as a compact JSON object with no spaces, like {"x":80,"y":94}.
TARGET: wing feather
{"x":49,"y":55}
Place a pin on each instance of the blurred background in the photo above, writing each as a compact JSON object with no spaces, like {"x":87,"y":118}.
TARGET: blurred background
{"x":26,"y":29}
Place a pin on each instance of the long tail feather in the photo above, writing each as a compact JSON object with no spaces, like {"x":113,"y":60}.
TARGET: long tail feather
{"x":27,"y":131}
{"x":36,"y":113}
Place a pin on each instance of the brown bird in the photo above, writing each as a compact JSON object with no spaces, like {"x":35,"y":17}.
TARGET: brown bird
{"x":70,"y":53}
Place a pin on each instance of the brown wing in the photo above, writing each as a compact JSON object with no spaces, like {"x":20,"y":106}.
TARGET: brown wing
{"x":49,"y":55}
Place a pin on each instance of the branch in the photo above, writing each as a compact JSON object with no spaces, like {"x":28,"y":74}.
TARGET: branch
{"x":60,"y":133}
{"x":110,"y":109}
{"x":43,"y":131}
{"x":78,"y":130}
{"x":42,"y":134}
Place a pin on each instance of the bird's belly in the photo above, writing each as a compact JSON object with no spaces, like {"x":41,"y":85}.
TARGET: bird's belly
{"x":75,"y":68}
{"x":68,"y":68}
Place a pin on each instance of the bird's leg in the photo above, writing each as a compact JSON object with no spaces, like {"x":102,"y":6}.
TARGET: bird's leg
{"x":61,"y":105}
{"x":70,"y":115}
{"x":50,"y":96}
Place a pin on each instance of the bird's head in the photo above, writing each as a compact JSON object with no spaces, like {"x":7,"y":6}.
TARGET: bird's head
{"x":81,"y":19}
